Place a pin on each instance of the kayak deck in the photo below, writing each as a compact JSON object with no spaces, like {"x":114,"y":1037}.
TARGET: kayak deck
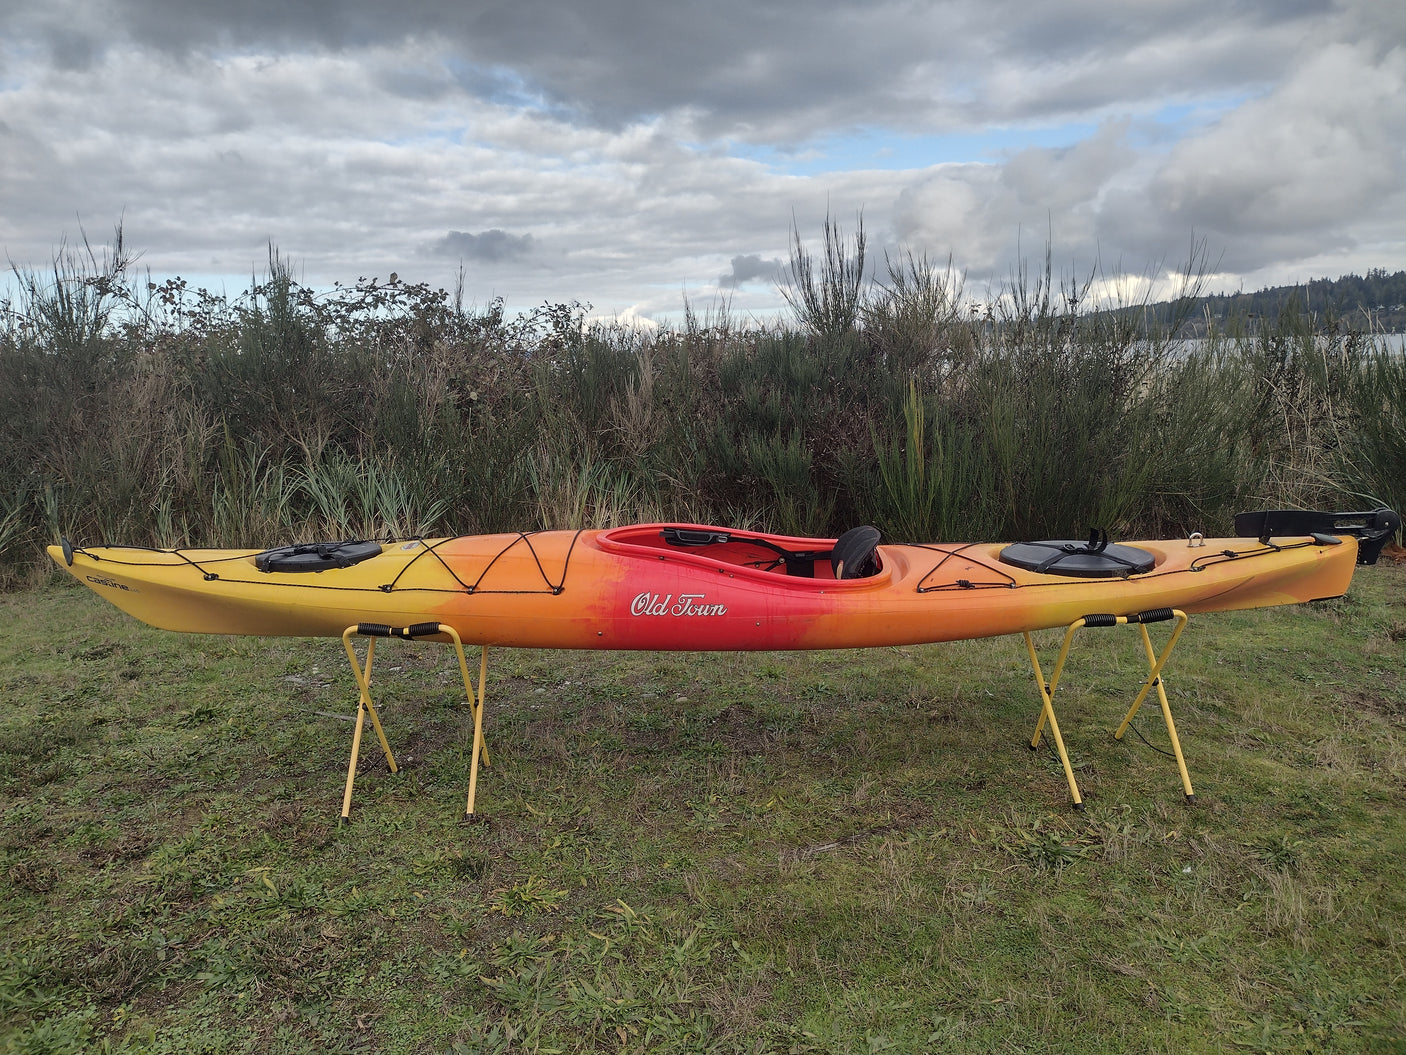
{"x":670,"y":587}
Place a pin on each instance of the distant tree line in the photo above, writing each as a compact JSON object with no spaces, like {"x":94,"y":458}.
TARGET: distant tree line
{"x":1371,"y":303}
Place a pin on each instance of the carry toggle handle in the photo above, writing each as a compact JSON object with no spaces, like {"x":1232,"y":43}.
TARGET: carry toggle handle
{"x":407,"y":632}
{"x":1152,"y":615}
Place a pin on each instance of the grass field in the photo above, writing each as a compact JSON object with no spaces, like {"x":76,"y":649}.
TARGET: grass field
{"x":828,"y":852}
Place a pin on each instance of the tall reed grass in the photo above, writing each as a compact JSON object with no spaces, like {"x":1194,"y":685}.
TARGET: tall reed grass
{"x":153,"y":414}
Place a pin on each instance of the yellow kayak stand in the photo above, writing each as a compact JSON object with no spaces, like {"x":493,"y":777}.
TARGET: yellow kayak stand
{"x":371,"y":631}
{"x":1155,"y":661}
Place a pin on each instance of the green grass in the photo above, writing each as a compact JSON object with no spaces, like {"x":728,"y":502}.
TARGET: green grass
{"x":779,"y":852}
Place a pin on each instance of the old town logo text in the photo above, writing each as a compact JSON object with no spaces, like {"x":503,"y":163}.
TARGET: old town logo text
{"x":687,"y":604}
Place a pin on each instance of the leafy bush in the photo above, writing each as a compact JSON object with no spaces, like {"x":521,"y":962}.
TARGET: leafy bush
{"x":156,"y":415}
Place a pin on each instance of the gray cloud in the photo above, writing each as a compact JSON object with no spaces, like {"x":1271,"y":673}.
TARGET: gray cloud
{"x":750,"y":268}
{"x":364,"y":138}
{"x":777,"y":71}
{"x":489,"y":246}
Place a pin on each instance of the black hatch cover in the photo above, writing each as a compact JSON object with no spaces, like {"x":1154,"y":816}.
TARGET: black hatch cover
{"x":316,"y":556}
{"x":1094,"y":559}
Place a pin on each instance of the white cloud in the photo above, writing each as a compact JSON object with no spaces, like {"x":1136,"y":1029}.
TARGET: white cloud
{"x":562,"y":156}
{"x":1303,"y":166}
{"x":1309,"y":170}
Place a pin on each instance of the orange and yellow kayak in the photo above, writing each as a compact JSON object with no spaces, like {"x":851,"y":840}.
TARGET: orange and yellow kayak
{"x":697,"y":587}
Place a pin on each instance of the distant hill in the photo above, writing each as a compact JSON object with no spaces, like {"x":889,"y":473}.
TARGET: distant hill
{"x":1375,"y":301}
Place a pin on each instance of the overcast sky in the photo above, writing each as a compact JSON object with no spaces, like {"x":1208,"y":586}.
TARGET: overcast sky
{"x":631,"y":152}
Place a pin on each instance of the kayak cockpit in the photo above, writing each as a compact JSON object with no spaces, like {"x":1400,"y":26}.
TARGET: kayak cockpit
{"x":852,"y":556}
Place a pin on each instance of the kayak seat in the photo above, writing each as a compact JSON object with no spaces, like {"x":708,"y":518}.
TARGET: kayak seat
{"x":855,"y":555}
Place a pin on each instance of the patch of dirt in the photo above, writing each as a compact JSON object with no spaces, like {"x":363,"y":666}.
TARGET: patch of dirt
{"x":737,"y":726}
{"x":891,"y":818}
{"x":282,"y":817}
{"x":38,"y":877}
{"x":412,"y":750}
{"x":949,"y":712}
{"x":111,"y":972}
{"x":1393,"y":710}
{"x":127,"y":848}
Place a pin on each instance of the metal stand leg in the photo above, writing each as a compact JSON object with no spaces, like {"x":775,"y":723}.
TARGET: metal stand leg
{"x":1155,"y":664}
{"x":1155,"y":661}
{"x":479,"y":746}
{"x":365,"y":706}
{"x":1047,"y":707}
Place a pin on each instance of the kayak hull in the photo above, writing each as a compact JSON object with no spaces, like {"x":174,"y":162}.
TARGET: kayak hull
{"x":630,"y":588}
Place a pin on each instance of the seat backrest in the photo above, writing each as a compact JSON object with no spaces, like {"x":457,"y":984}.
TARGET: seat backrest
{"x":855,"y":553}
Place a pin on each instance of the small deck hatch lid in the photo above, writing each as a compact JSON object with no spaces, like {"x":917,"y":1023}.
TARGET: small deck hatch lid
{"x":316,"y":556}
{"x":1094,"y":559}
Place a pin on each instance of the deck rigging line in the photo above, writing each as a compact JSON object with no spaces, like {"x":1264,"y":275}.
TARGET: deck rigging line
{"x":476,"y":587}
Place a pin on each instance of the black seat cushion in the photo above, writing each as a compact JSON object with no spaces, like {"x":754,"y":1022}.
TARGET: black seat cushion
{"x":855,"y":554}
